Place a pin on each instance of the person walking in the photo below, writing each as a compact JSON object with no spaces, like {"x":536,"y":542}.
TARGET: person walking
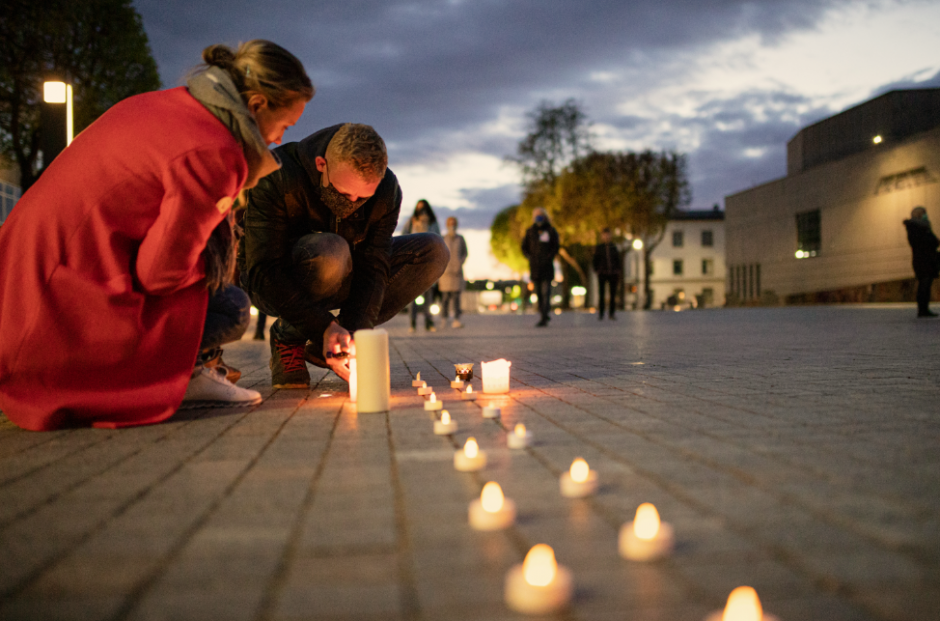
{"x":422,"y":220}
{"x":451,"y":283}
{"x":114,"y":264}
{"x":609,"y":270}
{"x":924,"y":245}
{"x":540,"y":245}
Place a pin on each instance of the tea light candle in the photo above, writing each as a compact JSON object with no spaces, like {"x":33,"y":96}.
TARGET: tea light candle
{"x":579,"y":481}
{"x":416,"y":382}
{"x":539,"y":585}
{"x":457,"y":383}
{"x":432,"y":404}
{"x":424,"y":389}
{"x":373,"y":377}
{"x":353,"y":384}
{"x":491,"y":411}
{"x":469,"y":395}
{"x":519,"y":438}
{"x":446,"y":425}
{"x":492,"y":510}
{"x":471,"y":458}
{"x":743,"y":605}
{"x":646,"y":538}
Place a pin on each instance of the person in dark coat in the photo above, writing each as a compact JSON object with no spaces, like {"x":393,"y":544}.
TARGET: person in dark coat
{"x":924,"y":248}
{"x":540,"y":245}
{"x":608,"y":268}
{"x":318,"y":237}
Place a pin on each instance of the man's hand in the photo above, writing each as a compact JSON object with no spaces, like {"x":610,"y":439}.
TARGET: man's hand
{"x":337,"y":339}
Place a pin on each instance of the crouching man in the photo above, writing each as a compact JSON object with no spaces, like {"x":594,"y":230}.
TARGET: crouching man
{"x":318,"y":238}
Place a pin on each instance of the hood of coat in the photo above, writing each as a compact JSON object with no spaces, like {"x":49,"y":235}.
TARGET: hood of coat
{"x":918,"y":223}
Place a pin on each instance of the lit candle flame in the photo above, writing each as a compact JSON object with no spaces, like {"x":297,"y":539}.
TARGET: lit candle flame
{"x":469,"y":389}
{"x":646,"y":523}
{"x":424,"y":384}
{"x":579,"y":470}
{"x":539,"y":566}
{"x":743,"y":605}
{"x":456,"y":378}
{"x":445,"y":417}
{"x":433,"y":398}
{"x":471,"y":448}
{"x":492,"y":497}
{"x":520,"y":430}
{"x":418,"y":377}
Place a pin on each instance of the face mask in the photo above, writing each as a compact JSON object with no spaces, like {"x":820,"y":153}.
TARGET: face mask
{"x":540,"y":219}
{"x":339,"y":204}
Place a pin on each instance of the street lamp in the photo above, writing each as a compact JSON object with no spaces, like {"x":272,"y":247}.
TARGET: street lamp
{"x":54,"y":92}
{"x":638,"y":246}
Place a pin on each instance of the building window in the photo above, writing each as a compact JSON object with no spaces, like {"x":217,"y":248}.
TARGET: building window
{"x":9,"y":194}
{"x":677,"y":239}
{"x":808,"y":234}
{"x":677,"y":267}
{"x":708,"y":239}
{"x":708,"y":267}
{"x":708,"y":296}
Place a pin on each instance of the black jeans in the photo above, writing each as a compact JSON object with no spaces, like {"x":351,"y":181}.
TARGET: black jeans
{"x":611,"y":282}
{"x":543,"y":291}
{"x":227,"y":318}
{"x":449,"y":296}
{"x":923,"y":295}
{"x":323,"y":267}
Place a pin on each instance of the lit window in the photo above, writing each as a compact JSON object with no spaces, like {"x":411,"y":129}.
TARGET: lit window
{"x":677,"y":239}
{"x":677,"y":267}
{"x":808,"y":234}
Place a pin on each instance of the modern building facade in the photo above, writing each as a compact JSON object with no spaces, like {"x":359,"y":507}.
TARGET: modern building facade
{"x":831,"y":230}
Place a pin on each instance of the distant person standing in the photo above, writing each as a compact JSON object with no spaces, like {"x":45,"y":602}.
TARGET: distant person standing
{"x":422,"y":220}
{"x":924,"y":248}
{"x":608,"y":268}
{"x":540,"y":246}
{"x":451,"y":283}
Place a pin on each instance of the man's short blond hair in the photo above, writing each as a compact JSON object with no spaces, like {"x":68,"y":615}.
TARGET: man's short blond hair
{"x":361,"y":147}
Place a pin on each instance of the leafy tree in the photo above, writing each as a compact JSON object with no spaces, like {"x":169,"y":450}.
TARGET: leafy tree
{"x":557,"y":135}
{"x":99,"y":46}
{"x":505,"y":238}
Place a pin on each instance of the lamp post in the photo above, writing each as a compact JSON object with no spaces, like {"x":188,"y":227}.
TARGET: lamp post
{"x":56,"y":119}
{"x":638,"y":246}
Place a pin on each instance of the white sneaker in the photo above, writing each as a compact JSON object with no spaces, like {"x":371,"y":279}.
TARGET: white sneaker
{"x":209,"y":389}
{"x":456,"y":324}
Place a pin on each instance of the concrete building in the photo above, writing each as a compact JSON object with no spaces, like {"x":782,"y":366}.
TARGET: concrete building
{"x":831,"y":229}
{"x":9,"y":188}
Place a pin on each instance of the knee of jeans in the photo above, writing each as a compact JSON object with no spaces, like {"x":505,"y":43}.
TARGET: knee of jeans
{"x":330,"y":259}
{"x":240,"y":299}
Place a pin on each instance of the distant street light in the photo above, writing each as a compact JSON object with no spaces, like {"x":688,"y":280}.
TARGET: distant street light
{"x":638,"y":244}
{"x":55,"y":92}
{"x":56,"y":124}
{"x":877,"y":139}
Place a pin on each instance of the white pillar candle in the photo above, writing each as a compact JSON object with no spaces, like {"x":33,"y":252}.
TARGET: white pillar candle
{"x":519,"y":438}
{"x":579,"y":481}
{"x":492,"y":510}
{"x":352,"y":379}
{"x":416,"y":382}
{"x":373,"y":378}
{"x":432,"y":404}
{"x":495,"y":376}
{"x":457,"y":383}
{"x":446,"y":425}
{"x":491,"y":411}
{"x":469,"y":395}
{"x":743,"y":605}
{"x":539,"y":585}
{"x":646,"y":538}
{"x":470,"y":458}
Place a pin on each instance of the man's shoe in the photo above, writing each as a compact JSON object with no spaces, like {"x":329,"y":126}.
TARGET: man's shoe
{"x":313,"y":353}
{"x":456,"y":324}
{"x":231,"y":373}
{"x":412,"y":330}
{"x":208,"y":388}
{"x":927,"y":314}
{"x":600,"y":317}
{"x":542,"y":323}
{"x":430,"y":328}
{"x":288,"y":369}
{"x":612,"y":318}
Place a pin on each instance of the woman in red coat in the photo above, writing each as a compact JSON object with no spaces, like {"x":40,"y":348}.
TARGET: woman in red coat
{"x":107,"y":262}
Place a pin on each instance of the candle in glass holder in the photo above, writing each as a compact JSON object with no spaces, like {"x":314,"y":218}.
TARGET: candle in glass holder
{"x":446,"y":425}
{"x":743,"y":605}
{"x":492,"y":510}
{"x":491,"y":411}
{"x":424,"y":390}
{"x":539,"y":585}
{"x":416,"y":382}
{"x":457,"y":383}
{"x":469,"y":395}
{"x":646,"y":538}
{"x":579,"y":481}
{"x":519,"y":438}
{"x":432,"y":404}
{"x":470,"y":458}
{"x":496,"y":376}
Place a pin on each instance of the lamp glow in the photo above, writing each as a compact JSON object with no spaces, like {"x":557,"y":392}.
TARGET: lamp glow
{"x":253,"y":311}
{"x":877,"y":139}
{"x":579,"y":470}
{"x":638,"y":244}
{"x":492,"y":497}
{"x":539,"y":566}
{"x":54,"y":92}
{"x":646,"y":523}
{"x":419,"y":300}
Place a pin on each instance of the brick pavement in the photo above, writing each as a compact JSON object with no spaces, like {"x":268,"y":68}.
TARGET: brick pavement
{"x":796,"y":450}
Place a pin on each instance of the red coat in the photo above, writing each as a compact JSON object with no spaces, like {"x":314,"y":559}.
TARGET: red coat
{"x":102,"y":289}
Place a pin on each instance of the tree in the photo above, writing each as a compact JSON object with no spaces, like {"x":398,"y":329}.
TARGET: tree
{"x":557,"y":135}
{"x":99,"y":46}
{"x":506,"y":237}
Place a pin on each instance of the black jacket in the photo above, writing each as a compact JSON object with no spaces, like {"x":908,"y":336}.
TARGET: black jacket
{"x":284,"y":207}
{"x":541,"y":254}
{"x":607,"y":259}
{"x":924,"y":248}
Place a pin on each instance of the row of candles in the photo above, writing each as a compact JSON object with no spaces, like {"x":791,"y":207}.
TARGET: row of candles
{"x":540,"y":585}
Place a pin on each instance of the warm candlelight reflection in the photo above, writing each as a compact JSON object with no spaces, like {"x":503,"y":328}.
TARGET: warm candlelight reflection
{"x":539,"y":566}
{"x":743,"y":605}
{"x":492,"y":497}
{"x":471,"y":448}
{"x":646,"y":523}
{"x":579,"y":470}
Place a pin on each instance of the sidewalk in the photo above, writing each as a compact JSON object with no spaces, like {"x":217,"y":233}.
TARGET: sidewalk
{"x":795,"y":450}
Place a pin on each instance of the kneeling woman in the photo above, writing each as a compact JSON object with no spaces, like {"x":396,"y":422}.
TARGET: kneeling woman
{"x":108,"y":261}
